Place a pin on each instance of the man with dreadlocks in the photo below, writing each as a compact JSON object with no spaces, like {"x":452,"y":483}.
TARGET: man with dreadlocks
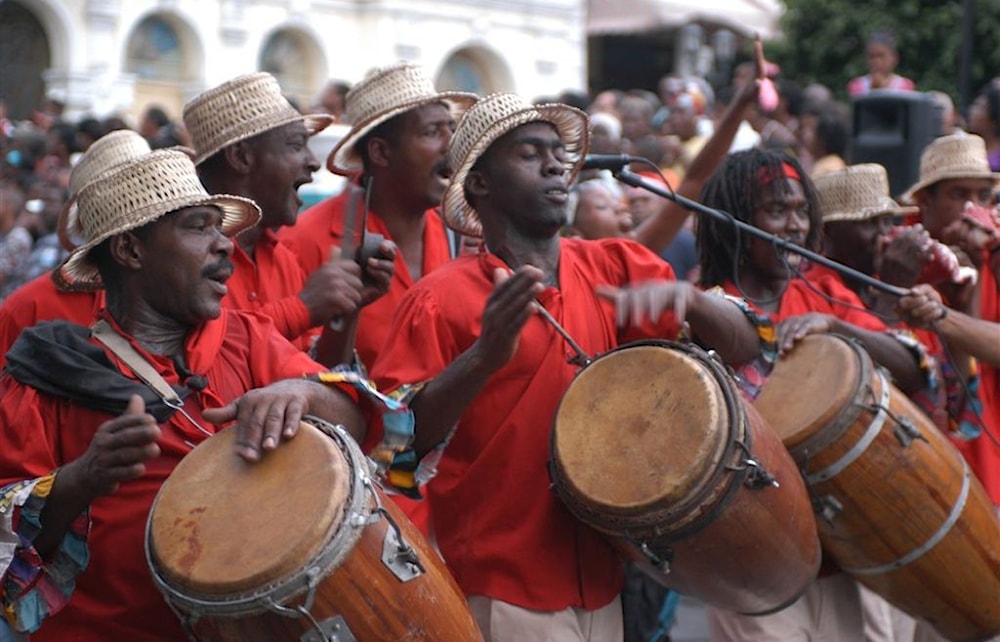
{"x":770,"y":191}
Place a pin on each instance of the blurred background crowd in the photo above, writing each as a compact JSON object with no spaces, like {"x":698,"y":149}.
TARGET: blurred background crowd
{"x":848,"y":119}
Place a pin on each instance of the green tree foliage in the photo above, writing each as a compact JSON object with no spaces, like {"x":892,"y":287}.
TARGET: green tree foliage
{"x":824,"y":41}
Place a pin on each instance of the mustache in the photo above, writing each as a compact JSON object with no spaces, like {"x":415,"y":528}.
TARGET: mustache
{"x":222,"y":268}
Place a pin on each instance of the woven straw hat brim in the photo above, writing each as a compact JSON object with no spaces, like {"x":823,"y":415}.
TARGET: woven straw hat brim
{"x":345,"y":160}
{"x":238,"y":214}
{"x":571,"y":124}
{"x":140,"y":192}
{"x":886,"y":207}
{"x":937,"y":177}
{"x":315,"y":123}
{"x":67,"y":225}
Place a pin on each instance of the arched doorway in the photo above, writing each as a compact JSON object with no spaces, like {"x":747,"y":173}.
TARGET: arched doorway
{"x":475,"y":69}
{"x":24,"y":56}
{"x":161,"y":53}
{"x":294,"y":59}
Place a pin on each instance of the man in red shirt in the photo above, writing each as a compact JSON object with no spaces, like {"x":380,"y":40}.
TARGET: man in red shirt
{"x":250,"y":141}
{"x":87,"y":444}
{"x":771,"y":191}
{"x":954,"y":176}
{"x":397,"y":149}
{"x":858,"y":227}
{"x":492,"y":371}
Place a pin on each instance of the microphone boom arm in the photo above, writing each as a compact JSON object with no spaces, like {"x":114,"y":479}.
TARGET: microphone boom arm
{"x":628,"y":177}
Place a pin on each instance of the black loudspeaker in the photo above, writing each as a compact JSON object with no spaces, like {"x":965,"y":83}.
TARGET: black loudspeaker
{"x":892,"y":128}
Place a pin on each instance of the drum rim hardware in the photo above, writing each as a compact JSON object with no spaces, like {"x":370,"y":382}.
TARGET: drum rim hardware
{"x":836,"y":429}
{"x":190,"y":606}
{"x":866,"y":439}
{"x":332,"y":629}
{"x":682,"y":520}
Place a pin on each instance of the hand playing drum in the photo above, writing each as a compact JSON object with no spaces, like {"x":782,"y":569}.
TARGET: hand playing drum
{"x":267,"y":416}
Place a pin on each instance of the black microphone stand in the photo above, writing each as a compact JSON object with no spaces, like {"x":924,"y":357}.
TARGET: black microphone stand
{"x":628,"y":177}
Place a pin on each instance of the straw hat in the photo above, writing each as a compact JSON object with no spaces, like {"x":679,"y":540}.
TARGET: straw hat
{"x":384,"y":93}
{"x":857,"y":193}
{"x":241,"y":108}
{"x":956,"y":156}
{"x":138,"y":192}
{"x":488,"y":120}
{"x":106,"y":153}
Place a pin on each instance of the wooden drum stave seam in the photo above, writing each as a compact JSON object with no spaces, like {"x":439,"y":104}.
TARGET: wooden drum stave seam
{"x":858,"y":449}
{"x":932,"y":541}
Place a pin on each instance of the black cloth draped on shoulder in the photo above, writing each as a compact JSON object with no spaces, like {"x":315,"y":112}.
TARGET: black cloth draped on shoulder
{"x":57,"y":358}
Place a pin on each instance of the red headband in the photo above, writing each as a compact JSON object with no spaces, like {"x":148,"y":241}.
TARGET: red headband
{"x":786,"y":171}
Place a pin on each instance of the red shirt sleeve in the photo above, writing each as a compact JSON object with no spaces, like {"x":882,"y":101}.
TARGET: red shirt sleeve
{"x":421,"y":343}
{"x":29,"y":449}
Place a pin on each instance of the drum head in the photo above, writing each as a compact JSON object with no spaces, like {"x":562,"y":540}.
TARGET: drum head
{"x":810,"y":386}
{"x":221,"y":525}
{"x":640,"y":427}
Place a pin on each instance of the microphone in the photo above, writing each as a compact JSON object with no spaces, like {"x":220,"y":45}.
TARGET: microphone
{"x":613,"y":162}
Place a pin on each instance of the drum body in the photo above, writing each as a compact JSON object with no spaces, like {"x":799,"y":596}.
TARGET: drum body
{"x":653,"y":446}
{"x":897,"y":505}
{"x":299,"y":546}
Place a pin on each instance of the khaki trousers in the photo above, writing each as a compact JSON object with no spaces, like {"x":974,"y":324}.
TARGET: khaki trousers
{"x":829,"y":611}
{"x":503,"y":622}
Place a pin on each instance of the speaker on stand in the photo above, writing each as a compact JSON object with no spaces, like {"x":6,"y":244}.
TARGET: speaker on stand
{"x":892,"y":128}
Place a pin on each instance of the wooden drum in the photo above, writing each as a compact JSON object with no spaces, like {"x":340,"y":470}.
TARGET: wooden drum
{"x":898,"y":506}
{"x":299,"y":546}
{"x":653,"y":446}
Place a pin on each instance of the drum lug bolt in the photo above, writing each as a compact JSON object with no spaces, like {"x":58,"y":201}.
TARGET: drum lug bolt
{"x":906,"y":431}
{"x":828,"y":507}
{"x":757,"y":476}
{"x":660,"y":563}
{"x":398,"y":556}
{"x":333,"y":629}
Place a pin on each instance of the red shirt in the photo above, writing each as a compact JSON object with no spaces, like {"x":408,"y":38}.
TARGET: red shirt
{"x":39,"y":300}
{"x":982,"y":453}
{"x":270,"y":283}
{"x":503,"y":531}
{"x":823,"y":292}
{"x":115,"y":598}
{"x":322,"y":226}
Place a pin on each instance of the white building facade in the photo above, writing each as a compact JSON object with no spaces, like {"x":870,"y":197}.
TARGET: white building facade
{"x":119,"y":56}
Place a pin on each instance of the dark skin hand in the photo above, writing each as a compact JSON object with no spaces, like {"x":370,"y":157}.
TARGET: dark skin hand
{"x":336,"y":342}
{"x":884,"y":349}
{"x":333,"y":289}
{"x":377,"y":272}
{"x":922,"y":307}
{"x":117,"y":453}
{"x":901,"y":261}
{"x":715,"y":320}
{"x":267,"y":416}
{"x":443,"y":400}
